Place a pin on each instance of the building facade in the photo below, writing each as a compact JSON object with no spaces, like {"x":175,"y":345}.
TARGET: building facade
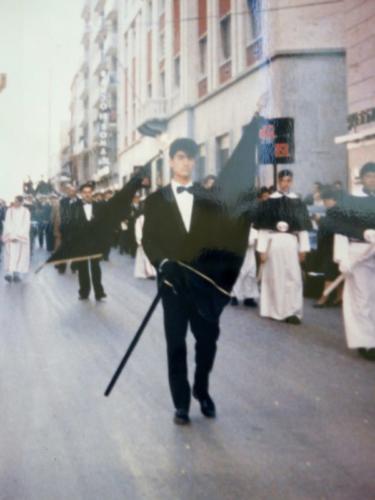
{"x":93,"y":132}
{"x":360,"y":49}
{"x":197,"y":68}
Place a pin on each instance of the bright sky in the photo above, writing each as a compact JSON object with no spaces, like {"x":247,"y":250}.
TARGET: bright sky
{"x":39,"y":50}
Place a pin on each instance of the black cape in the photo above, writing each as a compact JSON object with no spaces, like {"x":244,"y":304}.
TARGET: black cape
{"x":285,"y":209}
{"x":76,"y":245}
{"x":218,"y":250}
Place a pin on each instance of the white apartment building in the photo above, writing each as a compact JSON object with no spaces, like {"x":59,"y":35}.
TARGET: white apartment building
{"x":360,"y":48}
{"x":197,"y":68}
{"x":93,"y":132}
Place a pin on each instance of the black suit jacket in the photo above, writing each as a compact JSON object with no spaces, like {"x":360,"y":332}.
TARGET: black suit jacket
{"x":90,"y":234}
{"x":213,"y":246}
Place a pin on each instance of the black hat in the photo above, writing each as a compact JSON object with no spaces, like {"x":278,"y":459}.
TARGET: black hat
{"x":367,"y":168}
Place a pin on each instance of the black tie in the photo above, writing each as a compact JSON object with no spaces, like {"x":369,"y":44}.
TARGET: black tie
{"x":181,"y":189}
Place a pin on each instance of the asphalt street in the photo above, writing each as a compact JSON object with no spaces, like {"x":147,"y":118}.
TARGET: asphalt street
{"x":296,"y":408}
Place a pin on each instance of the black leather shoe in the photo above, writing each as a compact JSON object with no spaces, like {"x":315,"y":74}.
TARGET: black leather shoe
{"x":83,"y":297}
{"x":100,"y":296}
{"x":208,"y":408}
{"x":234,"y":301}
{"x":368,"y":354}
{"x":293,"y":320}
{"x":181,"y":417}
{"x":250,"y":303}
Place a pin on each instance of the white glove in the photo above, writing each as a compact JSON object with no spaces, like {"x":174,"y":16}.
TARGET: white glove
{"x":344,"y":266}
{"x":369,"y":235}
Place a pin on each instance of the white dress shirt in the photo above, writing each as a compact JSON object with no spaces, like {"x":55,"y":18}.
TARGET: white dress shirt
{"x":87,"y":207}
{"x":185,"y":202}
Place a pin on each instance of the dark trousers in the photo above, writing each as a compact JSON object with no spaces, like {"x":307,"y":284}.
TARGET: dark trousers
{"x":84,"y":277}
{"x":178,"y":314}
{"x":41,"y":233}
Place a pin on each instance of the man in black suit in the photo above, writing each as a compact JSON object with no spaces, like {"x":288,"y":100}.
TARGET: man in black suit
{"x":83,"y":216}
{"x":176,"y":217}
{"x":66,"y":204}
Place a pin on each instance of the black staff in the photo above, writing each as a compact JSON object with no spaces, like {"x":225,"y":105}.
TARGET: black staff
{"x":133,"y":343}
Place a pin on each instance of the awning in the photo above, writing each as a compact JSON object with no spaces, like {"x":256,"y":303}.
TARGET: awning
{"x":356,"y":137}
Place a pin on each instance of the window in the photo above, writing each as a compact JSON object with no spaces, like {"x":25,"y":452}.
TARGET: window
{"x":149,"y":15}
{"x":161,"y":6}
{"x":161,"y":45}
{"x":222,"y":145}
{"x":200,"y":169}
{"x":203,"y":56}
{"x":159,"y":172}
{"x":225,"y":38}
{"x":253,"y":22}
{"x":177,"y":72}
{"x":162,"y":84}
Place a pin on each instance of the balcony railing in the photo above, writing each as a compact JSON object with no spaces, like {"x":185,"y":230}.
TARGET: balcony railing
{"x":152,"y":117}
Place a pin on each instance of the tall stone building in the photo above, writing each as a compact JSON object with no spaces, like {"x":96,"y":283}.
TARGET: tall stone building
{"x":94,"y":97}
{"x":197,"y":68}
{"x":360,"y":50}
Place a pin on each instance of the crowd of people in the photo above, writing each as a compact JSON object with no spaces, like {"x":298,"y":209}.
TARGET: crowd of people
{"x":291,"y":243}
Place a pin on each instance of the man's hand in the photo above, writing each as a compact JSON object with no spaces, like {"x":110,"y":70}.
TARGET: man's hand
{"x":172,"y":273}
{"x":146,"y":182}
{"x":302,"y":256}
{"x":263,"y":257}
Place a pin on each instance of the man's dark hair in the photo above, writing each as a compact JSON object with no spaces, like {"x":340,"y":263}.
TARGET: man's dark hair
{"x":86,"y":185}
{"x":329,"y":193}
{"x":285,"y":173}
{"x":19,"y":199}
{"x":187,"y":146}
{"x":262,"y":190}
{"x":367,"y":168}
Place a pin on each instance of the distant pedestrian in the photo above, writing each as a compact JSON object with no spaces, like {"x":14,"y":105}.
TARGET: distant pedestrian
{"x":283,"y":223}
{"x":16,"y":237}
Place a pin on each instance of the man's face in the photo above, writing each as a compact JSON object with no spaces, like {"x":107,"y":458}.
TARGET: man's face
{"x":329,"y":202}
{"x":87,"y":194}
{"x":17,"y":203}
{"x":70,"y":191}
{"x":264,"y":196}
{"x":182,"y":166}
{"x":368,"y":181}
{"x":285,"y":183}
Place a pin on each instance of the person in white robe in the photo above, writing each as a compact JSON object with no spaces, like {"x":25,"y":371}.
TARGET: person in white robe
{"x":16,"y":238}
{"x":143,"y":268}
{"x":246,"y":287}
{"x":283,"y":241}
{"x":355,"y":254}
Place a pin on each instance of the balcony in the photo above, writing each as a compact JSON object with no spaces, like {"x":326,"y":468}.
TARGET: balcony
{"x":152,"y":117}
{"x":110,"y":44}
{"x":111,"y":9}
{"x":99,"y":63}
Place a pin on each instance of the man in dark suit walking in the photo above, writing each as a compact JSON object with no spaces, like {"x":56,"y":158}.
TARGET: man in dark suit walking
{"x":83,"y":217}
{"x":197,"y":239}
{"x":173,"y":223}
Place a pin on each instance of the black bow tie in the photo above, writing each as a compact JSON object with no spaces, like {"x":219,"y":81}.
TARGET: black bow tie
{"x":181,"y":189}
